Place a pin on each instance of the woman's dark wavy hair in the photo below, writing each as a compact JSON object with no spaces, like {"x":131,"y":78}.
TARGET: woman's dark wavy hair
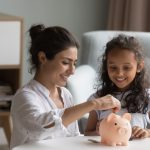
{"x":136,"y":101}
{"x":50,"y":40}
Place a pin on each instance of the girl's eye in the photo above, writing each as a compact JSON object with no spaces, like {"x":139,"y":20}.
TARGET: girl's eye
{"x":113,"y":68}
{"x":127,"y":68}
{"x":75,"y":63}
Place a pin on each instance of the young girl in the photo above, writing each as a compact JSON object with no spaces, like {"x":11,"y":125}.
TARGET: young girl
{"x":123,"y":75}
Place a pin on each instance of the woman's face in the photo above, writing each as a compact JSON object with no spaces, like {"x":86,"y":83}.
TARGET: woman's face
{"x":56,"y":72}
{"x":122,"y":67}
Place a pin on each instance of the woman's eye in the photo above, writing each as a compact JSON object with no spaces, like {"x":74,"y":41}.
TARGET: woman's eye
{"x":65,"y":62}
{"x":69,"y":63}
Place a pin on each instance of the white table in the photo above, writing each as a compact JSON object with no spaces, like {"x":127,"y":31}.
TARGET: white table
{"x":82,"y":143}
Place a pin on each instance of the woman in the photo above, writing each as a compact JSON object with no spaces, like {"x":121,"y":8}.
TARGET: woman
{"x":43,"y":108}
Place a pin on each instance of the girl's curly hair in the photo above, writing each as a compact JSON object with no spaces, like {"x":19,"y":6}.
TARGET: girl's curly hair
{"x":136,"y":100}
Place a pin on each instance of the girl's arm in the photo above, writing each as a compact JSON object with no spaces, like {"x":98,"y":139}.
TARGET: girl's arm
{"x":91,"y":124}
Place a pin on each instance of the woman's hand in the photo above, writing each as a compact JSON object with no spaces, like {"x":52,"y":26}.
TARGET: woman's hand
{"x":107,"y":102}
{"x":138,"y":132}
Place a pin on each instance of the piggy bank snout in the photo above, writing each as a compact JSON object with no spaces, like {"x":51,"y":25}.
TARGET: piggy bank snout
{"x":122,"y":130}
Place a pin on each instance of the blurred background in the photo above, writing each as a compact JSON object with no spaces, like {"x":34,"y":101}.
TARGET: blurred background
{"x":78,"y":16}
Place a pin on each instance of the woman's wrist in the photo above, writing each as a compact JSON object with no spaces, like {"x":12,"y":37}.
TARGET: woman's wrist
{"x":95,"y":105}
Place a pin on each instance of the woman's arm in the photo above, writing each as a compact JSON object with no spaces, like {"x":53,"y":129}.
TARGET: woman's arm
{"x":74,"y":113}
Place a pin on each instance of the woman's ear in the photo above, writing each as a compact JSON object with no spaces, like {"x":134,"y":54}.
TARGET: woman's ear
{"x":41,"y":57}
{"x":140,"y":66}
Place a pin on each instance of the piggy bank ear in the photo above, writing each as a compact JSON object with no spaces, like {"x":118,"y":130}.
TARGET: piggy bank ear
{"x":111,"y":116}
{"x":127,"y":116}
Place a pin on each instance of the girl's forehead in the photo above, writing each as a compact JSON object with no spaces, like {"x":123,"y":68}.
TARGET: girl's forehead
{"x":120,"y":50}
{"x":120,"y":53}
{"x":123,"y":56}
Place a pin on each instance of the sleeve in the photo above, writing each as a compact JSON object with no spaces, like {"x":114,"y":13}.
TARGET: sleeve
{"x":148,"y":113}
{"x":27,"y":109}
{"x":68,"y":102}
{"x":149,"y":99}
{"x":148,"y":119}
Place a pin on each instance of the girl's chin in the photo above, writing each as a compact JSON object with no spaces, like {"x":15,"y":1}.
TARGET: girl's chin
{"x":122,"y":88}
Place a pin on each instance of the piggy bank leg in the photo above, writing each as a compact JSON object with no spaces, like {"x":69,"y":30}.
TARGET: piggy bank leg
{"x":124,"y":143}
{"x":106,"y":142}
{"x":103,"y":141}
{"x":119,"y":144}
{"x":112,"y":144}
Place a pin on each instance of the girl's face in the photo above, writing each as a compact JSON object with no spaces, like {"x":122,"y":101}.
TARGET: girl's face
{"x":122,"y":67}
{"x":56,"y":72}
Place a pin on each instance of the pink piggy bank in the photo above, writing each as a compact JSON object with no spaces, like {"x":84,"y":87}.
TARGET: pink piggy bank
{"x":115,"y":129}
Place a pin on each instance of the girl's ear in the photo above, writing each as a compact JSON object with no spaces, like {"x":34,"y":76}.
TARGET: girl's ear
{"x":41,"y":57}
{"x":140,"y":66}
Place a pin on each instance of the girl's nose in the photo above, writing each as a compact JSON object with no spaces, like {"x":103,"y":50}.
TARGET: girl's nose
{"x":120,"y":72}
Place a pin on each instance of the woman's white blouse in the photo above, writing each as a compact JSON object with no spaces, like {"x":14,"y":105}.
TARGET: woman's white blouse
{"x":32,"y":110}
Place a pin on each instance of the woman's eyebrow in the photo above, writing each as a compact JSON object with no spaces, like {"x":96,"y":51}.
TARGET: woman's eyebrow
{"x":70,"y":59}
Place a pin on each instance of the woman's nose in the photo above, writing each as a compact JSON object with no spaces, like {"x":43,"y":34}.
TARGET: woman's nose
{"x":71,"y":69}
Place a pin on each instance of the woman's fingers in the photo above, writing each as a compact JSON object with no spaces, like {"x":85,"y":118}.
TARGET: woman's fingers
{"x":108,"y":102}
{"x":116,"y":109}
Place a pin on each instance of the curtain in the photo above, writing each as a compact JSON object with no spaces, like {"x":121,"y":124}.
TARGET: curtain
{"x":131,"y":15}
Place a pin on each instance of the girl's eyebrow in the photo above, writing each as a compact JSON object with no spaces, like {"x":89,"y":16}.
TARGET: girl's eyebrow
{"x":127,"y":63}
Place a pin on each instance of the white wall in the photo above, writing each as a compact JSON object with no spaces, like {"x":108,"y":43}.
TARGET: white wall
{"x":78,"y":16}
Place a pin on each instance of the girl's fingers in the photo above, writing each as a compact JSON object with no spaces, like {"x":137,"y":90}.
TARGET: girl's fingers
{"x":138,"y":132}
{"x":135,"y":131}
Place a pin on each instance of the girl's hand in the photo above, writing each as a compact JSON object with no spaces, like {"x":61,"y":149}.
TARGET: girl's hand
{"x":138,"y":132}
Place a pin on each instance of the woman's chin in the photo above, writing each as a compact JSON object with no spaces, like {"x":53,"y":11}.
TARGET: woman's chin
{"x":64,"y":83}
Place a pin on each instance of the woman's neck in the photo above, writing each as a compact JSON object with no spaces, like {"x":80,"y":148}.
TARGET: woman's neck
{"x":51,"y":87}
